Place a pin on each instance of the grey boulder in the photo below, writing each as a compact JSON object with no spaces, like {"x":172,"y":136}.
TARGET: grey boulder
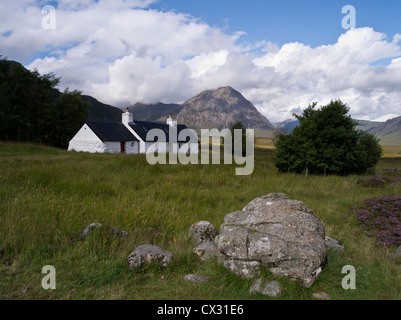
{"x":276,"y":232}
{"x":333,"y":244}
{"x":196,"y":278}
{"x":150,"y":254}
{"x":111,"y":230}
{"x":206,"y":251}
{"x":270,"y":289}
{"x":321,"y":296}
{"x":202,"y":231}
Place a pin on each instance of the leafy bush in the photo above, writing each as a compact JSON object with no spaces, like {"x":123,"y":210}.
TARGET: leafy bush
{"x":381,"y":217}
{"x":327,"y":142}
{"x":33,"y":110}
{"x":377,"y":181}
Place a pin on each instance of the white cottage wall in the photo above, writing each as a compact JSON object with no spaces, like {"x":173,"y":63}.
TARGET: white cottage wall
{"x":86,"y":141}
{"x":115,"y":147}
{"x":132,"y":147}
{"x":112,"y":147}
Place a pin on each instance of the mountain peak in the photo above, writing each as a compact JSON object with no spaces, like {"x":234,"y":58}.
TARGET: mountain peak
{"x":220,"y":108}
{"x":222,"y":90}
{"x":227,"y":89}
{"x":211,"y":109}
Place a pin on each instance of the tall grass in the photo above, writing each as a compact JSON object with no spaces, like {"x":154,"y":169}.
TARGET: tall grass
{"x":48,"y":196}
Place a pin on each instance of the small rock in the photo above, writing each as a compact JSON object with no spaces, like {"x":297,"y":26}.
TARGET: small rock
{"x":114,"y":231}
{"x":149,"y":253}
{"x":270,"y":289}
{"x":117,"y":232}
{"x":202,"y":231}
{"x":396,"y":255}
{"x":196,"y":278}
{"x":85,"y":233}
{"x":26,"y":289}
{"x":256,"y":286}
{"x":321,"y":296}
{"x":334,"y":244}
{"x":206,"y":251}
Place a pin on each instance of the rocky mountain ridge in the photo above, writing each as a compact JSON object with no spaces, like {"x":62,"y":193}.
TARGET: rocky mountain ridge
{"x":208,"y":110}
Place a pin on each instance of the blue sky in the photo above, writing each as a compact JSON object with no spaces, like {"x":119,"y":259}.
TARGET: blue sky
{"x":312,"y":22}
{"x":281,"y":55}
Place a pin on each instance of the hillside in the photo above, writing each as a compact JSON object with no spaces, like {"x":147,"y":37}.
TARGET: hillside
{"x":389,"y":132}
{"x":154,"y":112}
{"x":32,"y":109}
{"x":368,"y":125}
{"x":97,"y":110}
{"x":287,"y":125}
{"x":209,"y":109}
{"x":101,"y":112}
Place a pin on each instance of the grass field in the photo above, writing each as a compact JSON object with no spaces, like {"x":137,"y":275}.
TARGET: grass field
{"x":391,"y":151}
{"x":47,"y":196}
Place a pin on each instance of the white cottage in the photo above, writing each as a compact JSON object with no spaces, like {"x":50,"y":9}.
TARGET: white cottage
{"x":130,"y":137}
{"x":103,"y":137}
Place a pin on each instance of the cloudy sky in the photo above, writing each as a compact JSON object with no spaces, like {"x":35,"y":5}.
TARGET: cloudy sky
{"x":281,"y":55}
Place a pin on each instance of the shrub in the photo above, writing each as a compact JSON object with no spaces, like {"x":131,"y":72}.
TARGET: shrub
{"x":327,"y":141}
{"x":381,"y":217}
{"x":377,"y":181}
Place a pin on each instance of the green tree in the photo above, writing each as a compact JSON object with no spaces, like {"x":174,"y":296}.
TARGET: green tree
{"x":68,"y":116}
{"x":238,"y":125}
{"x":326,"y":142}
{"x":32,"y":109}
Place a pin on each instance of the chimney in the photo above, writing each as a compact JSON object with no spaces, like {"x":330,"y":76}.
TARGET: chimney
{"x":128,"y":117}
{"x":171,"y":122}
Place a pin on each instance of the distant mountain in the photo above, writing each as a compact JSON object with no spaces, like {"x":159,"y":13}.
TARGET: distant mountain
{"x":287,"y":126}
{"x":388,"y":132}
{"x":154,"y":112}
{"x":208,"y":110}
{"x":290,"y":124}
{"x":368,"y":125}
{"x":101,"y":112}
{"x":97,"y":111}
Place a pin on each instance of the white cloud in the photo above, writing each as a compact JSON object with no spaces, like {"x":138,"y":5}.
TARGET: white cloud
{"x":341,"y":70}
{"x":122,"y":52}
{"x":387,"y":117}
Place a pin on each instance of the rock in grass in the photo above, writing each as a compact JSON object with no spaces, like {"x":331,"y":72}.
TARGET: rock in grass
{"x":206,"y":251}
{"x":85,"y":232}
{"x":202,"y":231}
{"x":321,"y":296}
{"x":196,"y":278}
{"x":256,"y":286}
{"x":150,"y":254}
{"x":396,"y":255}
{"x":112,"y":230}
{"x":270,"y":289}
{"x":333,"y":244}
{"x":276,"y":232}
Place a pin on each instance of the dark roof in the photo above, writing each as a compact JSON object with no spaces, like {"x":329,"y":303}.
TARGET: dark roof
{"x":107,"y":131}
{"x":142,"y":128}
